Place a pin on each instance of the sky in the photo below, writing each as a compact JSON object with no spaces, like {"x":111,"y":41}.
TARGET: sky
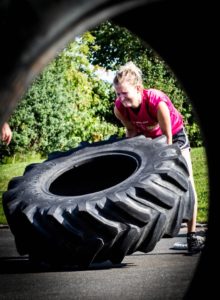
{"x":105,"y":75}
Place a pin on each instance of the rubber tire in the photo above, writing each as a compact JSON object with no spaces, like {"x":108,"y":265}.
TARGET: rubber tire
{"x":134,"y":192}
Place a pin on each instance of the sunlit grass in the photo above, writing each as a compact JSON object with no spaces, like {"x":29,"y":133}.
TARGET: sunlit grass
{"x":200,"y":172}
{"x":14,"y":168}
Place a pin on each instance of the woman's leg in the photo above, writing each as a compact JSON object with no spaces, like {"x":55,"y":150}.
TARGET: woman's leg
{"x":194,"y":244}
{"x":191,"y":225}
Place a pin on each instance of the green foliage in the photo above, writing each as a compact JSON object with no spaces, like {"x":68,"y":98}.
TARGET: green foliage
{"x":66,"y":104}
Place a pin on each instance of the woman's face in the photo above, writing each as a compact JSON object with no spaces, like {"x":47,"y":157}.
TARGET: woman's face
{"x":129,"y":95}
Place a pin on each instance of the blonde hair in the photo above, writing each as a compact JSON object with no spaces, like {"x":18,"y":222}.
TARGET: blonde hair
{"x":130,"y":73}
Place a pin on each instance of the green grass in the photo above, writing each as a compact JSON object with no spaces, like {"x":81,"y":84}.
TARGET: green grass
{"x":200,"y":172}
{"x":16,"y":167}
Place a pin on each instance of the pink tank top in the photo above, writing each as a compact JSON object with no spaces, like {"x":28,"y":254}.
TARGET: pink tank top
{"x":145,"y":120}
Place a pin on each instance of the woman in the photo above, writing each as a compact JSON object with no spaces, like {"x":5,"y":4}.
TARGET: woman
{"x":150,"y":112}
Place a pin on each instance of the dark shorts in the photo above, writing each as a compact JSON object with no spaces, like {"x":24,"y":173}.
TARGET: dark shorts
{"x":181,"y":139}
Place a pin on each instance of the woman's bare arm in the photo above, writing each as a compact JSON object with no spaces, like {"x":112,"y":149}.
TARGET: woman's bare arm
{"x":130,"y":130}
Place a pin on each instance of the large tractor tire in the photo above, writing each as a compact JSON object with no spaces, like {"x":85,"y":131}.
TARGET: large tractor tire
{"x":99,"y":202}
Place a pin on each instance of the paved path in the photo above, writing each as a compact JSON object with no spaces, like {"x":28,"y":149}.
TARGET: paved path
{"x":163,"y":273}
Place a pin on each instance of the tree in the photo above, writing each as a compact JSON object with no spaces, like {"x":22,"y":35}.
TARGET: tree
{"x":66,"y":104}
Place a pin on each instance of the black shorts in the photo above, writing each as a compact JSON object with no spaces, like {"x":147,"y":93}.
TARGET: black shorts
{"x":181,"y":139}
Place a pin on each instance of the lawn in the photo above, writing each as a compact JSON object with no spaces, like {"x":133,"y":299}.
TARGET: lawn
{"x":200,"y":172}
{"x":16,"y":168}
{"x":10,"y":170}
